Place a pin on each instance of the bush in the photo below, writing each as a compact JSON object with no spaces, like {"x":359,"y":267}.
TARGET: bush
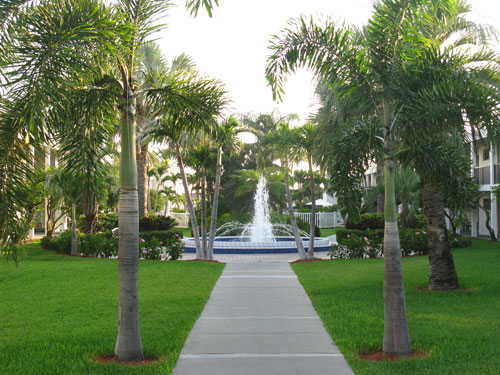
{"x":458,"y":241}
{"x":154,"y":249}
{"x":99,"y":245}
{"x":150,"y":250}
{"x":156,"y":223}
{"x":367,"y":221}
{"x":413,"y":241}
{"x":49,"y":243}
{"x":415,"y":221}
{"x":64,"y":241}
{"x":223,"y":219}
{"x":107,"y":221}
{"x":163,"y":235}
{"x":178,"y":210}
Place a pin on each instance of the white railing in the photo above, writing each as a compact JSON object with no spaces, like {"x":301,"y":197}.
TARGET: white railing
{"x":322,"y":219}
{"x":181,"y":217}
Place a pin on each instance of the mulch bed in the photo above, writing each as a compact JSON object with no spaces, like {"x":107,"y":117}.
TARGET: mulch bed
{"x":307,"y":260}
{"x":203,"y":260}
{"x":381,"y":356}
{"x":145,"y":361}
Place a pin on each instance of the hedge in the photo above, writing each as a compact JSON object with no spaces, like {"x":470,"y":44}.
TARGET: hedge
{"x":157,"y":244}
{"x":353,"y":243}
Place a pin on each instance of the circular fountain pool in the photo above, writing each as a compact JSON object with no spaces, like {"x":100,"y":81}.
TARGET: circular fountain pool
{"x":243,"y":245}
{"x":260,"y":236}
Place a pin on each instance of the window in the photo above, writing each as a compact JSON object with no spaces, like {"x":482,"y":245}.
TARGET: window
{"x":486,"y":154}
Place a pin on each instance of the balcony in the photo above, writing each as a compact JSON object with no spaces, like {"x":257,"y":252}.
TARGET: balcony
{"x":482,"y":175}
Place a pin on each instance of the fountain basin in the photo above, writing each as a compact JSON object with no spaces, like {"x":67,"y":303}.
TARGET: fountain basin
{"x":243,"y":245}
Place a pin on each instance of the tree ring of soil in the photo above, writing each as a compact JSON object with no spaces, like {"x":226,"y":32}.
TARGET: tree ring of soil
{"x":111,"y":359}
{"x":380,"y":356}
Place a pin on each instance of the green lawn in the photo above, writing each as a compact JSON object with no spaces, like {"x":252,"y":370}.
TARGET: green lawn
{"x":461,"y":329}
{"x":185,"y":231}
{"x":325,"y":232}
{"x":57,"y":312}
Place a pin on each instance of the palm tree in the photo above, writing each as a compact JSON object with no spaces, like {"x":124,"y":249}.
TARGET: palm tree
{"x":225,"y":136}
{"x":241,"y":190}
{"x":198,"y":158}
{"x":367,"y":69}
{"x":47,"y":59}
{"x":307,"y":141}
{"x":401,"y":47}
{"x":152,"y":69}
{"x":174,"y":177}
{"x":179,"y":124}
{"x":281,"y":144}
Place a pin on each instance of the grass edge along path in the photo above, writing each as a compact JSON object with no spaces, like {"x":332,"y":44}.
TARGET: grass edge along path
{"x":58,"y":312}
{"x":460,"y":329}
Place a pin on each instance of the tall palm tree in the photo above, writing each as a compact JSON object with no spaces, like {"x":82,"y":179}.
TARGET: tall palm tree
{"x":179,"y":125}
{"x":281,"y":144}
{"x":52,"y":45}
{"x":307,"y":142}
{"x":225,"y":136}
{"x":400,"y":46}
{"x":151,"y":70}
{"x":174,"y":177}
{"x":367,"y":69}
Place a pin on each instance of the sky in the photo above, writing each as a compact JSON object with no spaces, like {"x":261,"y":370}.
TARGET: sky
{"x":232,"y":46}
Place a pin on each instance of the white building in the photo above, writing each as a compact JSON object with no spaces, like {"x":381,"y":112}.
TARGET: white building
{"x":486,"y":172}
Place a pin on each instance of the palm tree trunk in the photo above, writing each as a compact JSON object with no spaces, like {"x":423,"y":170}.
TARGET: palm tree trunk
{"x":192,"y":215}
{"x":404,"y":215}
{"x":442,"y":273}
{"x":215,"y":204}
{"x":203,"y":216}
{"x":380,"y":197}
{"x":142,"y":179}
{"x":298,"y":240}
{"x":312,"y":227}
{"x":396,"y":336}
{"x":128,"y":342}
{"x":74,"y":244}
{"x":452,"y":223}
{"x":90,"y":209}
{"x":487,"y":223}
{"x":156,"y":197}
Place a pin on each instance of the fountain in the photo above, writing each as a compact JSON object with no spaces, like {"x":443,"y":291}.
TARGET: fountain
{"x":260,"y":236}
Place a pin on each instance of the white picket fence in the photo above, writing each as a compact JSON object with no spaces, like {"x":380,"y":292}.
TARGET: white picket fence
{"x":181,"y":217}
{"x":322,"y":219}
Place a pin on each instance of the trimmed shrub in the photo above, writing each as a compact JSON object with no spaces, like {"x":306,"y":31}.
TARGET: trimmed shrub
{"x":367,"y":221}
{"x":413,"y":241}
{"x":154,"y":249}
{"x":107,"y":221}
{"x":163,"y":235}
{"x":156,"y":223}
{"x":49,"y":243}
{"x":415,"y":221}
{"x":64,"y":241}
{"x":459,"y":241}
{"x":98,"y":245}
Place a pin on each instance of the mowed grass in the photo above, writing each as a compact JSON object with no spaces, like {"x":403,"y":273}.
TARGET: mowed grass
{"x":58,"y":312}
{"x":460,"y":329}
{"x":325,"y":232}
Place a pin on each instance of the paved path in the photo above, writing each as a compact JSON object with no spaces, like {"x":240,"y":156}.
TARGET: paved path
{"x":259,"y":321}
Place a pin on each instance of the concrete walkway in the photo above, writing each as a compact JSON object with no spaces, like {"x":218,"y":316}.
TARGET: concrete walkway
{"x":259,"y":321}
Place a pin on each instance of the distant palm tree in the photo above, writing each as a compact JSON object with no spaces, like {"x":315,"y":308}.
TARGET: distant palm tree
{"x":224,"y":136}
{"x":282,"y":144}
